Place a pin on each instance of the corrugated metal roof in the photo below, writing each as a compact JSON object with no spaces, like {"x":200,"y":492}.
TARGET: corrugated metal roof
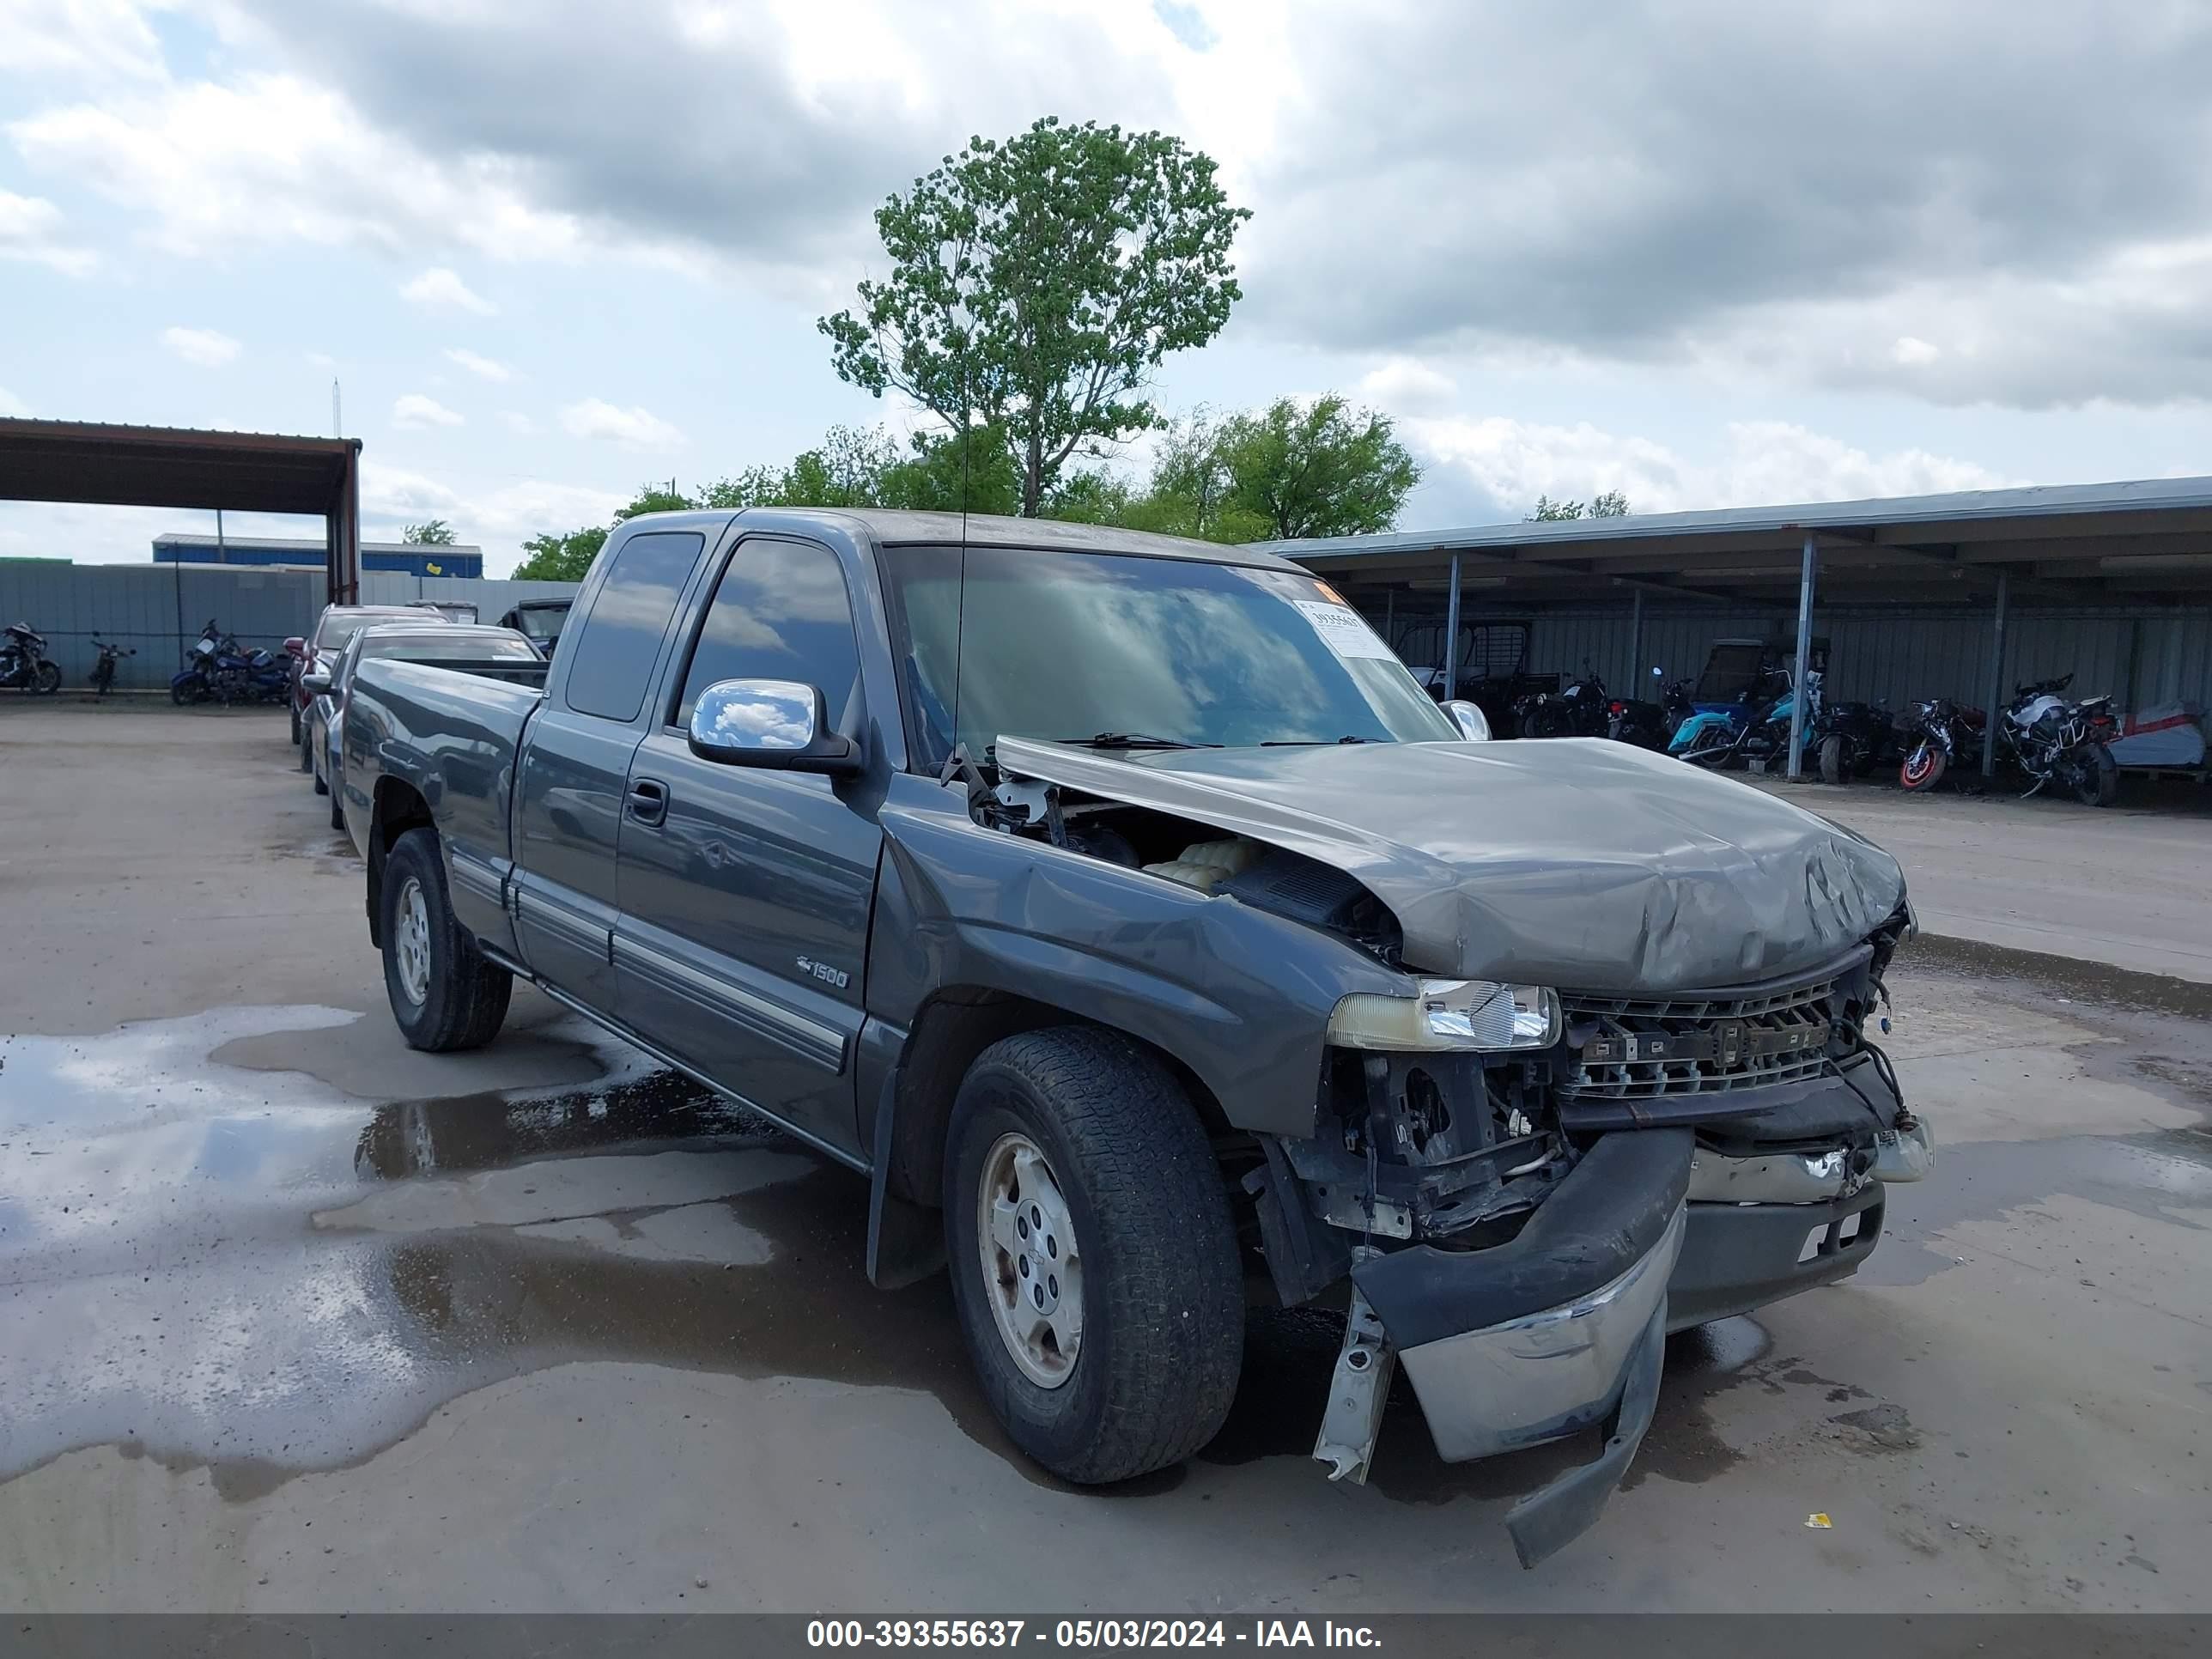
{"x":2038,"y":500}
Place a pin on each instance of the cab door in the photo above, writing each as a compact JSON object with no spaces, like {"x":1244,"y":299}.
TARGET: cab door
{"x":741,"y":942}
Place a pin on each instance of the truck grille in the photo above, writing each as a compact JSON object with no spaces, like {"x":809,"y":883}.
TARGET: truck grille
{"x":1648,"y":1048}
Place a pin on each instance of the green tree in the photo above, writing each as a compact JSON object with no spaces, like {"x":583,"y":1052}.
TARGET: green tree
{"x":1321,"y":469}
{"x":433,"y":532}
{"x":1611,"y":504}
{"x":561,"y":558}
{"x":1036,"y":282}
{"x":651,"y":498}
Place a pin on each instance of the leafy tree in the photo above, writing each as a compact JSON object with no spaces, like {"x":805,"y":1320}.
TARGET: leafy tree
{"x":1036,"y":282}
{"x":1321,"y":469}
{"x":651,"y":498}
{"x":1612,"y":504}
{"x":434,"y":532}
{"x":561,"y":558}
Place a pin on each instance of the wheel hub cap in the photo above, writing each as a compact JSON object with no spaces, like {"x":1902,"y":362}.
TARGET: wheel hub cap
{"x":412,"y":941}
{"x":1032,"y":1267}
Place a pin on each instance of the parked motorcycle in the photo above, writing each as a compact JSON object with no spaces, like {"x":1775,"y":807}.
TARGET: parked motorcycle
{"x":218,"y":668}
{"x":1753,"y":727}
{"x":1581,"y":710}
{"x":1938,"y":736}
{"x":24,"y":665}
{"x":1853,"y":738}
{"x":103,"y":671}
{"x":2053,"y":740}
{"x":1647,"y":725}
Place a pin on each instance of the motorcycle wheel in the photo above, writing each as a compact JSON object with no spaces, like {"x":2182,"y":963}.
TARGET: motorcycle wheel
{"x":2097,"y":783}
{"x":180,"y":694}
{"x":1711,"y":754}
{"x":1831,"y":758}
{"x":1923,"y":768}
{"x":45,"y":680}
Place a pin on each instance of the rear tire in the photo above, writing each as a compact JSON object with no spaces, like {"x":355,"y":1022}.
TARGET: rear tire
{"x":444,"y":994}
{"x":1098,"y":1130}
{"x":1922,"y":768}
{"x":1831,"y":758}
{"x":2097,"y":783}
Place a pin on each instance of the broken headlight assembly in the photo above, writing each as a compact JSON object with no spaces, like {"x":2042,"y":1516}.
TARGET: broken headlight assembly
{"x":1458,"y":1015}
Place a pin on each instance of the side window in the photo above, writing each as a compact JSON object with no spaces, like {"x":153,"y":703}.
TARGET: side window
{"x":780,"y":612}
{"x":611,"y":656}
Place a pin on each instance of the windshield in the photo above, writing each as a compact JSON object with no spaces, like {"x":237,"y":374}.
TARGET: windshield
{"x":1076,"y":647}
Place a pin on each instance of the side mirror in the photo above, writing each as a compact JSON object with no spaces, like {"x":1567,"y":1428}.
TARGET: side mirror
{"x":295,"y":644}
{"x":778,"y":724}
{"x":1474,"y":725}
{"x":315,"y":682}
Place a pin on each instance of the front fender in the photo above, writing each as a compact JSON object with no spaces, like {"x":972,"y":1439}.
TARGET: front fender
{"x":1241,"y":997}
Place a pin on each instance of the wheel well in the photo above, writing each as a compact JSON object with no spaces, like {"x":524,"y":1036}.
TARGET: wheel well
{"x":954,"y":1027}
{"x":399,"y":808}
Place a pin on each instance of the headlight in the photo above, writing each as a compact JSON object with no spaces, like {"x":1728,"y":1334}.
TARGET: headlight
{"x":1450,"y":1013}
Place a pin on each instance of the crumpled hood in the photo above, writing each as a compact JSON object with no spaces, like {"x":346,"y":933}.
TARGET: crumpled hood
{"x":1579,"y":863}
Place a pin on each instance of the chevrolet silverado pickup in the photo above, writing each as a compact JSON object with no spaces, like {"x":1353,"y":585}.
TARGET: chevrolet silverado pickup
{"x":1123,"y":910}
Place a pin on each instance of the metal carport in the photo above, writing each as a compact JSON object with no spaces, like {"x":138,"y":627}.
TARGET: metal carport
{"x":169,"y":466}
{"x":2077,"y":549}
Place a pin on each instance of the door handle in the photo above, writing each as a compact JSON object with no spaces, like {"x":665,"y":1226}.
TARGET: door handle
{"x":649,"y":800}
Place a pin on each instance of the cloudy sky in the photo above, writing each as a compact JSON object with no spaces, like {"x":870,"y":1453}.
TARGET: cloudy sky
{"x":1703,"y":254}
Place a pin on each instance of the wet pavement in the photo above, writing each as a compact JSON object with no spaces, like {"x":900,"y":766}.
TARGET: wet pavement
{"x":291,"y":1318}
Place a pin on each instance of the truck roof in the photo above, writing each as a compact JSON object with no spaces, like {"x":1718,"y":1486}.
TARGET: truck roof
{"x":892,"y":528}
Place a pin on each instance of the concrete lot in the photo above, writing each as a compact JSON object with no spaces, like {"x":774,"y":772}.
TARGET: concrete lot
{"x":292,"y":1318}
{"x":2130,"y":884}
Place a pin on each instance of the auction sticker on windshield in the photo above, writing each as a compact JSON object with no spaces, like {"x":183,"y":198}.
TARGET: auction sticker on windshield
{"x":1343,"y":630}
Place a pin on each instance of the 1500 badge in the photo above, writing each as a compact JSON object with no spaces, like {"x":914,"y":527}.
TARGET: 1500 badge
{"x":823,"y":971}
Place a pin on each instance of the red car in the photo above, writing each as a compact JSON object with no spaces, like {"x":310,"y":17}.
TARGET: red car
{"x":338,"y":624}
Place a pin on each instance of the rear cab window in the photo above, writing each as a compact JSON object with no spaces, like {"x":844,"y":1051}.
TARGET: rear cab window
{"x":610,"y":652}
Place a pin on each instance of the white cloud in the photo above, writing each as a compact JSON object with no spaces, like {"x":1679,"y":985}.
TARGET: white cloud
{"x":639,"y":428}
{"x":500,"y":519}
{"x":1910,"y":352}
{"x":78,"y":41}
{"x":1762,"y":463}
{"x":439,"y":287}
{"x":414,"y":410}
{"x":321,"y":360}
{"x":10,"y":404}
{"x":490,"y":368}
{"x":515,"y":421}
{"x":1406,"y":387}
{"x":270,"y":158}
{"x":29,"y":231}
{"x":201,"y":346}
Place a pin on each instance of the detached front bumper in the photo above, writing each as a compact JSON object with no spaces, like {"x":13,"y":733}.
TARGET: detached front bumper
{"x":1563,"y":1328}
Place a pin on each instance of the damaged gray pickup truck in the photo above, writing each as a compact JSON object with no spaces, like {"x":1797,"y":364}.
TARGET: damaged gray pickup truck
{"x":1122,"y":909}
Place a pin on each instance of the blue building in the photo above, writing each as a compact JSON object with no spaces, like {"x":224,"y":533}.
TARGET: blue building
{"x":289,"y":553}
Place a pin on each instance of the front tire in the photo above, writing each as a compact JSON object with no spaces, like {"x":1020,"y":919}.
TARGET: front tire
{"x":1923,"y":768}
{"x":444,"y":994}
{"x":45,"y":679}
{"x":1831,"y":758}
{"x":1075,"y":1145}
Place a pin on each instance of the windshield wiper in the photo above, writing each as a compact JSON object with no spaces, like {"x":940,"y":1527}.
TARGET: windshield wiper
{"x":1132,"y":740}
{"x":1316,"y":743}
